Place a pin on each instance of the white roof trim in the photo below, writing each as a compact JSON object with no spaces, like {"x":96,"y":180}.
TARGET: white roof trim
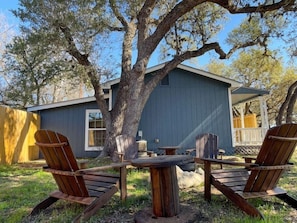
{"x":61,"y":104}
{"x":233,"y":83}
{"x":108,"y":84}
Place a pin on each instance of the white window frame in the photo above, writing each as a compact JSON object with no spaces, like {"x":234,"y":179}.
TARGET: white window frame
{"x":87,"y":147}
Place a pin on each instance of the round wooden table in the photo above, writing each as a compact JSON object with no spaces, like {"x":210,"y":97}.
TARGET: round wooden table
{"x":169,"y":150}
{"x":164,"y":182}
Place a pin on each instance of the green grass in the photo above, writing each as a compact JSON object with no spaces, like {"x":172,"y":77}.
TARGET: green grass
{"x":23,"y":187}
{"x":20,"y":188}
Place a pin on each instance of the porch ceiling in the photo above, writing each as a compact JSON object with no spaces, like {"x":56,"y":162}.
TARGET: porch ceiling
{"x":245,"y":94}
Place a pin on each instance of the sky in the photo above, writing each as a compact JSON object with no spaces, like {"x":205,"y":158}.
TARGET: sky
{"x":5,"y":7}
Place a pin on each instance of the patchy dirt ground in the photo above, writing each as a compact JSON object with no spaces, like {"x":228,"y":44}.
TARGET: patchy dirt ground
{"x":188,"y":214}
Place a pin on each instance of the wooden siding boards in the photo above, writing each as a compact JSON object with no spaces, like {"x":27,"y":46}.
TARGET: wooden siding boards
{"x":189,"y":105}
{"x":174,"y":114}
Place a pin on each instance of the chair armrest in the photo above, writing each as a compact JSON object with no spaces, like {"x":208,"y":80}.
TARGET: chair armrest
{"x":277,"y":167}
{"x":99,"y":168}
{"x":227,"y":162}
{"x":283,"y":138}
{"x":61,"y":172}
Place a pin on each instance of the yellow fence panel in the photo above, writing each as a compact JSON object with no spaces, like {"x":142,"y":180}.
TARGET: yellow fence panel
{"x":17,"y":135}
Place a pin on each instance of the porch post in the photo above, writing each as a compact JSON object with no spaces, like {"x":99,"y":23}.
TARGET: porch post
{"x":233,"y":133}
{"x":242,"y":115}
{"x":264,"y":116}
{"x":242,"y":132}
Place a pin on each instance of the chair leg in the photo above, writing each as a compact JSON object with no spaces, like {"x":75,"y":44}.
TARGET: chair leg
{"x":288,"y":199}
{"x":95,"y":206}
{"x":207,"y":181}
{"x":239,"y":201}
{"x":245,"y":206}
{"x":43,"y":205}
{"x":123,"y":183}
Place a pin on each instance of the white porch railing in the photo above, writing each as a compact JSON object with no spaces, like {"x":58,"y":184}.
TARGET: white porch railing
{"x":249,"y":136}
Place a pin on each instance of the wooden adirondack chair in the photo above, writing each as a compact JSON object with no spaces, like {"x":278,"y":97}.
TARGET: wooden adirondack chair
{"x":127,"y":148}
{"x":206,"y":147}
{"x":86,"y":186}
{"x":257,"y":179}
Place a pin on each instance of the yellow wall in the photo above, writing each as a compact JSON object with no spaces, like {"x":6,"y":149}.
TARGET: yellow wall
{"x":17,"y":130}
{"x":250,"y":121}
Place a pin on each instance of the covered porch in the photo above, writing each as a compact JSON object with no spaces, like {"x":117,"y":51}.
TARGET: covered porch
{"x":248,"y":131}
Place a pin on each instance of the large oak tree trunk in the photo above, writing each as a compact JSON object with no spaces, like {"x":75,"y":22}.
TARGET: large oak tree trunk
{"x":127,"y":110}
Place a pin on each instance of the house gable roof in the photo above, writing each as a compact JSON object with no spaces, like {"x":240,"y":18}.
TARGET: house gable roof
{"x":61,"y":104}
{"x":234,"y":84}
{"x":235,"y":88}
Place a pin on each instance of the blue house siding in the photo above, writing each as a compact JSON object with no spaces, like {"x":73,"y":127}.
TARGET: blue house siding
{"x":194,"y":102}
{"x":189,"y":105}
{"x":70,"y":121}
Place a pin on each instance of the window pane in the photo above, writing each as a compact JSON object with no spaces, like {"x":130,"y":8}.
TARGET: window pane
{"x":96,"y":120}
{"x":100,"y":123}
{"x":96,"y":138}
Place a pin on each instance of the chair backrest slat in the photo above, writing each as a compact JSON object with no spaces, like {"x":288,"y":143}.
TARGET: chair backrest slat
{"x":207,"y":146}
{"x":127,"y":145}
{"x":277,"y":149}
{"x":58,"y":155}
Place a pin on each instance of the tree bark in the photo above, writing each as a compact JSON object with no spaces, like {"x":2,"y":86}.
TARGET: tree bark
{"x":289,"y":102}
{"x":290,"y":110}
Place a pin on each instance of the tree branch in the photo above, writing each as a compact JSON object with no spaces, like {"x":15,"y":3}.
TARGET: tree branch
{"x":127,"y":48}
{"x":129,"y":34}
{"x":257,"y":41}
{"x":160,"y":74}
{"x":117,"y":13}
{"x":164,"y":26}
{"x":143,"y":17}
{"x":292,"y":102}
{"x":283,"y":107}
{"x":196,"y":53}
{"x":187,"y":5}
{"x":83,"y":60}
{"x":71,"y":48}
{"x":247,"y":8}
